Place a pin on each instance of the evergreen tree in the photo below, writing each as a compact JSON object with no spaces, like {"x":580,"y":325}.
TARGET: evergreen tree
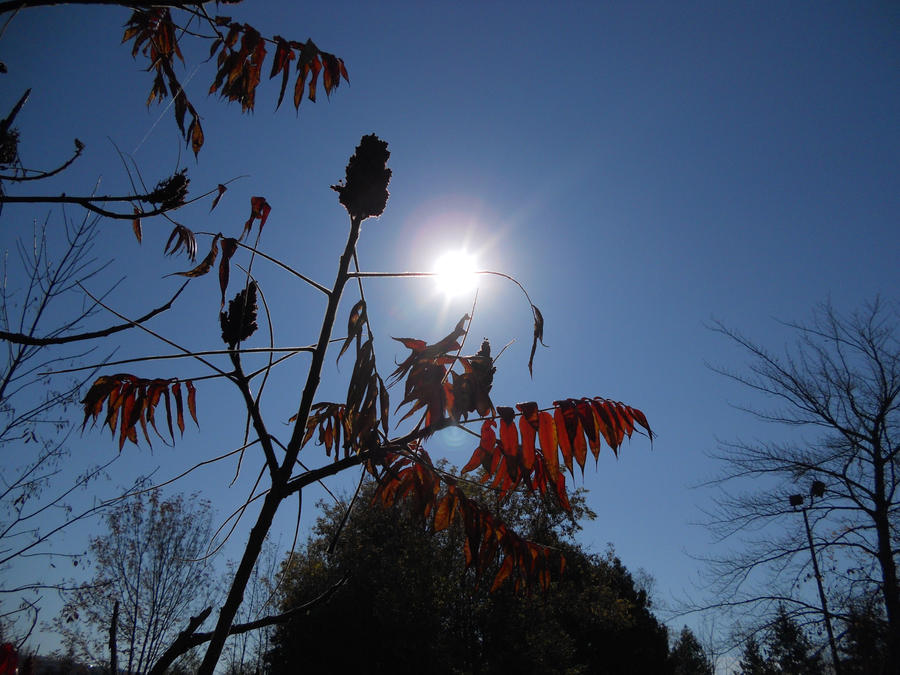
{"x":864,"y":645}
{"x":687,"y":657}
{"x":789,"y":648}
{"x":752,"y":661}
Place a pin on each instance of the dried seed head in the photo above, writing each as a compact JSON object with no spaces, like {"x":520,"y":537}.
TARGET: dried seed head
{"x":364,"y":192}
{"x":239,"y":322}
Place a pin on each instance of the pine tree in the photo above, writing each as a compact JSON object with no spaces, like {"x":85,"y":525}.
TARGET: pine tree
{"x":687,"y":657}
{"x":752,"y":660}
{"x":789,"y":648}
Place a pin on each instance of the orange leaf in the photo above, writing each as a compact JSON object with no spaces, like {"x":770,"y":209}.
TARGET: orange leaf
{"x":443,"y":516}
{"x":192,"y":401}
{"x":477,"y":460}
{"x":509,"y":438}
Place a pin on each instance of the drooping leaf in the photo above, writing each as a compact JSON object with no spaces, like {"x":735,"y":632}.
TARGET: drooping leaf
{"x":259,"y":209}
{"x":221,"y":191}
{"x":132,"y":401}
{"x":136,"y":225}
{"x":229,"y":246}
{"x":355,"y":324}
{"x":179,"y":406}
{"x":549,"y":441}
{"x":192,"y":400}
{"x":206,"y":265}
{"x":182,"y":237}
{"x":538,"y":335}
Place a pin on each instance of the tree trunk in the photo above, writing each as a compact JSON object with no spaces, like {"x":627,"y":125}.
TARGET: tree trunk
{"x":113,"y":652}
{"x":278,"y":491}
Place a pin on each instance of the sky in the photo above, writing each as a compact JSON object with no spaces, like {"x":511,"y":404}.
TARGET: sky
{"x":643,"y":169}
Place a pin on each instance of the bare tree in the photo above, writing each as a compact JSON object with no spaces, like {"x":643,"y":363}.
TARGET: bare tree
{"x":150,"y":575}
{"x":39,"y":311}
{"x":841,"y":384}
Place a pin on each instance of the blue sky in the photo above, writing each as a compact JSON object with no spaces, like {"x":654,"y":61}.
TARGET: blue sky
{"x":642,"y":168}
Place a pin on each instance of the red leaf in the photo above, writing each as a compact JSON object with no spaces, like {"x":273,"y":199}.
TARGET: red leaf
{"x":259,"y":208}
{"x":528,"y":435}
{"x":179,"y":406}
{"x":562,"y":436}
{"x":548,"y":437}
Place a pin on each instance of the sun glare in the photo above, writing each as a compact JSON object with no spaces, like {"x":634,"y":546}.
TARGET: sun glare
{"x":455,"y":272}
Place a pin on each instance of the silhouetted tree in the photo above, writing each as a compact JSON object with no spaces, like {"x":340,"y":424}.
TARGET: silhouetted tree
{"x":864,"y":645}
{"x":842,"y":383}
{"x":687,"y":656}
{"x":407,"y":599}
{"x":752,"y":660}
{"x":152,"y":563}
{"x":789,"y":648}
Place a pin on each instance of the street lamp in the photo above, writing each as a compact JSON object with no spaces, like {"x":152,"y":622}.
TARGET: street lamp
{"x":817,"y":489}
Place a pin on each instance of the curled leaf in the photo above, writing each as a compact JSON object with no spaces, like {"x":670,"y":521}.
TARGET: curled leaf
{"x":221,"y":191}
{"x":259,"y":209}
{"x":538,"y":335}
{"x":206,"y":265}
{"x":354,"y":326}
{"x":182,"y":237}
{"x":136,"y":224}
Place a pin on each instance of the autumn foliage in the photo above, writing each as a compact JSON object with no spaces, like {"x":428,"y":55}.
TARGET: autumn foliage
{"x":240,"y":54}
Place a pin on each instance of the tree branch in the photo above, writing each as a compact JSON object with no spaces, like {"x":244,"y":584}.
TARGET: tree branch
{"x":189,"y":639}
{"x":22,"y":339}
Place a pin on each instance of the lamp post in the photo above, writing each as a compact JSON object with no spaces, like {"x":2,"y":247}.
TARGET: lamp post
{"x":817,"y":489}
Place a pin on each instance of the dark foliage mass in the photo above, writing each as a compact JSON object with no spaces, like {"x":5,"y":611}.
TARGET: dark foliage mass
{"x":410,"y":605}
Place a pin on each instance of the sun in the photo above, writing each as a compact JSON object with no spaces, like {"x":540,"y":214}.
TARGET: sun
{"x":455,"y":273}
